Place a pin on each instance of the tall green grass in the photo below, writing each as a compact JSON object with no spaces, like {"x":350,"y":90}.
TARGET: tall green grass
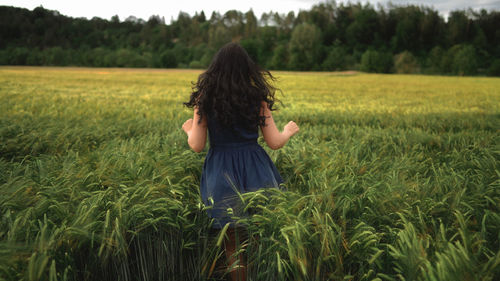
{"x":392,"y":177}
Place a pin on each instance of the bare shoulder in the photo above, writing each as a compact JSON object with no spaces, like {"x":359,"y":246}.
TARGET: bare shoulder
{"x":264,"y":110}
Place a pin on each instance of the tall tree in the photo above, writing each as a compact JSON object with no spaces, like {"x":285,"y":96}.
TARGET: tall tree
{"x":304,"y":46}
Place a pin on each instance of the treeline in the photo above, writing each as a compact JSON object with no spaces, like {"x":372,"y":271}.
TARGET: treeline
{"x":329,"y":36}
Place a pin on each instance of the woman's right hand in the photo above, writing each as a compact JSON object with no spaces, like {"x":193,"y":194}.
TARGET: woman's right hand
{"x":291,"y":128}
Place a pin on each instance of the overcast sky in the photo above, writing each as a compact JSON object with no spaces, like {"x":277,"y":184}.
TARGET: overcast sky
{"x":170,"y":9}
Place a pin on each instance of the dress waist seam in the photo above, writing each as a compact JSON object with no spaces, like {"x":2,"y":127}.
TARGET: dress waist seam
{"x":234,"y":145}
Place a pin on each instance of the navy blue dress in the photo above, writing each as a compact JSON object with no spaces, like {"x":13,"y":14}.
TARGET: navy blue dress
{"x":234,"y":162}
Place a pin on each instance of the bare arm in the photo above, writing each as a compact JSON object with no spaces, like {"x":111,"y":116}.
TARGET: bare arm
{"x":273,"y":137}
{"x":196,"y":132}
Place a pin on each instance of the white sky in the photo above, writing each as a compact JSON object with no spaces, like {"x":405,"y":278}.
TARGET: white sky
{"x":170,"y":9}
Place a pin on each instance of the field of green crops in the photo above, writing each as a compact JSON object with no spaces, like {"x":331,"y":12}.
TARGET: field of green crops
{"x":392,"y":177}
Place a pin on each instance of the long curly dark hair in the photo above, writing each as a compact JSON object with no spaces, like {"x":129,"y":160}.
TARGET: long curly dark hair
{"x":232,"y":89}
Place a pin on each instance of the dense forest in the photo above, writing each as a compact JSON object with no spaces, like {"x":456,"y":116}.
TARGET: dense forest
{"x":329,"y":36}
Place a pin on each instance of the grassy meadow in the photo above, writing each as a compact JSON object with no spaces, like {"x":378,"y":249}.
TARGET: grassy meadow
{"x":392,"y":177}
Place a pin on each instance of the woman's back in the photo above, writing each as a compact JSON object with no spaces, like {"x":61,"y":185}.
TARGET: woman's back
{"x":221,"y":136}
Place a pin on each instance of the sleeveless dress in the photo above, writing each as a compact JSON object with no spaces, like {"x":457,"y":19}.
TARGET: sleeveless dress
{"x":234,"y":162}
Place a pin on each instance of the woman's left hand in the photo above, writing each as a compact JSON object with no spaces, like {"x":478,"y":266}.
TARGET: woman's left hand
{"x":187,"y":125}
